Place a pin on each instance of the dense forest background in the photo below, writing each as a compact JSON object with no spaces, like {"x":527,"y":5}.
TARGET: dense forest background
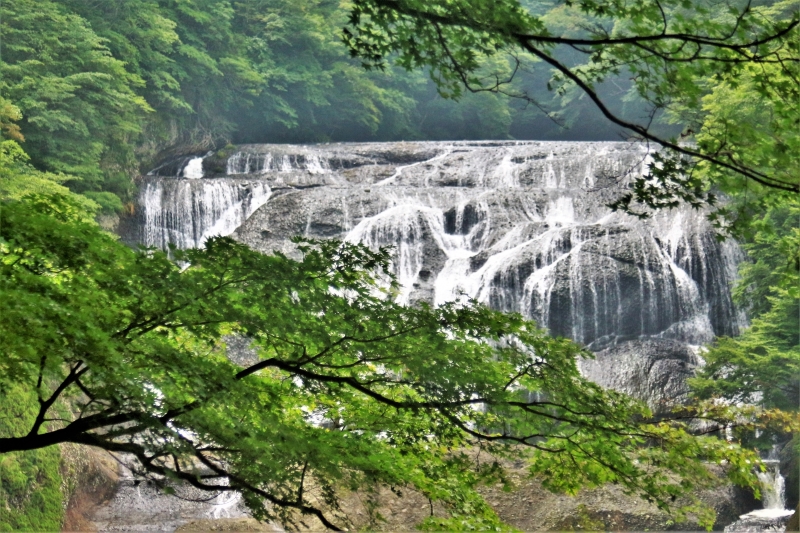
{"x":104,"y":89}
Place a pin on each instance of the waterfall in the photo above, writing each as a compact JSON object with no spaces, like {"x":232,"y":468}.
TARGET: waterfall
{"x":772,"y":487}
{"x":185,"y":212}
{"x":224,"y":505}
{"x":194,"y":169}
{"x":141,"y":505}
{"x":264,"y":163}
{"x":520,"y":226}
{"x":773,"y":515}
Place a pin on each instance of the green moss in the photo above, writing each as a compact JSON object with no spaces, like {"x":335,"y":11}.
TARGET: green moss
{"x":227,"y":151}
{"x":30,"y":482}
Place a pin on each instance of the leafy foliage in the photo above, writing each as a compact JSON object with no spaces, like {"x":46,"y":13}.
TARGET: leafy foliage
{"x":76,"y":99}
{"x":9,"y":113}
{"x":100,"y":90}
{"x":763,"y":364}
{"x":752,"y":115}
{"x":18,"y":178}
{"x":672,"y":52}
{"x":761,"y":367}
{"x":329,"y":398}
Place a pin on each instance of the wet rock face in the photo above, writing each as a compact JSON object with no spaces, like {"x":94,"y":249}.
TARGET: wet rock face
{"x":790,"y":468}
{"x":520,"y":226}
{"x":652,"y":370}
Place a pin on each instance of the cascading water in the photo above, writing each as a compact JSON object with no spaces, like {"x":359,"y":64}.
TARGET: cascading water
{"x":186,"y":212}
{"x":772,"y":487}
{"x":520,"y":226}
{"x":143,"y":506}
{"x":774,"y":515}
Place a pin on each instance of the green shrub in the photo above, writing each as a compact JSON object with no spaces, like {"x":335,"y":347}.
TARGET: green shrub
{"x":110,"y":203}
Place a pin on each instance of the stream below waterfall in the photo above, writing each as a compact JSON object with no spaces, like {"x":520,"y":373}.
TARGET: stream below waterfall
{"x":773,"y":515}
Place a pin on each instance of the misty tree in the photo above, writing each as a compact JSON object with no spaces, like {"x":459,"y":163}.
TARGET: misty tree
{"x":672,"y":53}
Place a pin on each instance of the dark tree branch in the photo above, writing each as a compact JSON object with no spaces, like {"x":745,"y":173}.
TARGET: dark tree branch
{"x":756,"y":176}
{"x":44,"y":405}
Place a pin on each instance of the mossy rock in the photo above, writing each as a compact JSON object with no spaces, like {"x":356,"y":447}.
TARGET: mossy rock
{"x":217,"y":163}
